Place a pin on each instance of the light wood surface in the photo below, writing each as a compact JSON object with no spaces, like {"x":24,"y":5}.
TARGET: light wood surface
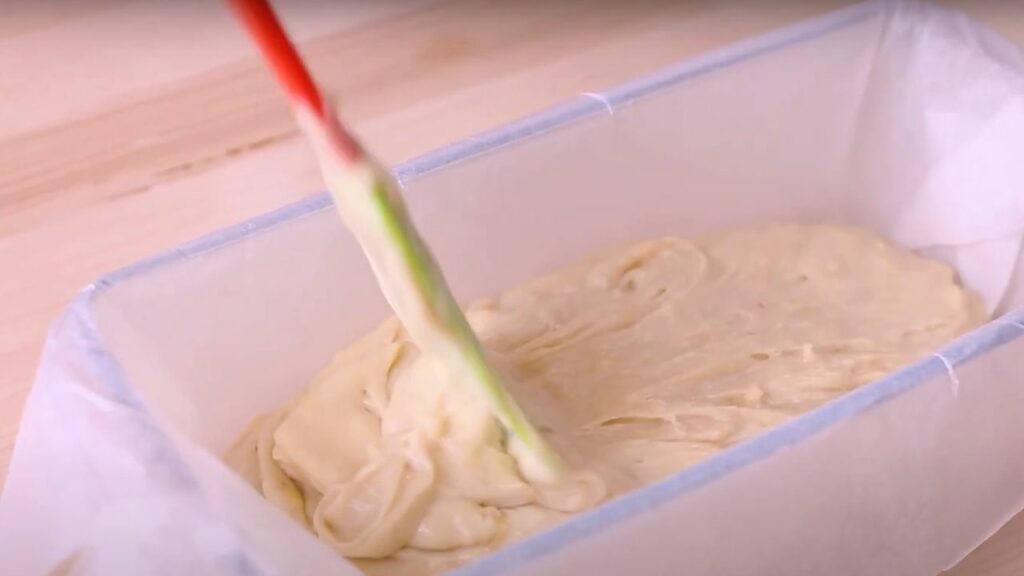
{"x":130,"y":126}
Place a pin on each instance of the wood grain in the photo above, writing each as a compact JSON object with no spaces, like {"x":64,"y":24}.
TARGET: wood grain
{"x":130,"y":126}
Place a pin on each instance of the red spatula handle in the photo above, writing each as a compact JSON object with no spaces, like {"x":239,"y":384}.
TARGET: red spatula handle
{"x":262,"y":23}
{"x":282,"y":58}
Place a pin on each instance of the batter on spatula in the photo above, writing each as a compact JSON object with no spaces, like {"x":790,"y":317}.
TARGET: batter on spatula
{"x":635,"y":364}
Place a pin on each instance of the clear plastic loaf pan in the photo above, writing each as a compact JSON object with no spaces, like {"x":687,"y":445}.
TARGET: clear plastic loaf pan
{"x":900,"y":117}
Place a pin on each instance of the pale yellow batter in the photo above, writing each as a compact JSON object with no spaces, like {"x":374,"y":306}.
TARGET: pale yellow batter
{"x":635,"y":364}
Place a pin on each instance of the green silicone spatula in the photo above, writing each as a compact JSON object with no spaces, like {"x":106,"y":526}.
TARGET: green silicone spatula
{"x":368,"y":199}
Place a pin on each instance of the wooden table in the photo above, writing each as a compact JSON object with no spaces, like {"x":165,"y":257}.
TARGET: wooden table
{"x":130,"y":126}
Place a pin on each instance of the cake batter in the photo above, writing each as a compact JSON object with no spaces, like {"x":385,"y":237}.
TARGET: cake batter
{"x":635,"y":364}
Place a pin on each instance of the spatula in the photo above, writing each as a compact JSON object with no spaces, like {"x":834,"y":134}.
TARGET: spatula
{"x":369,"y":202}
